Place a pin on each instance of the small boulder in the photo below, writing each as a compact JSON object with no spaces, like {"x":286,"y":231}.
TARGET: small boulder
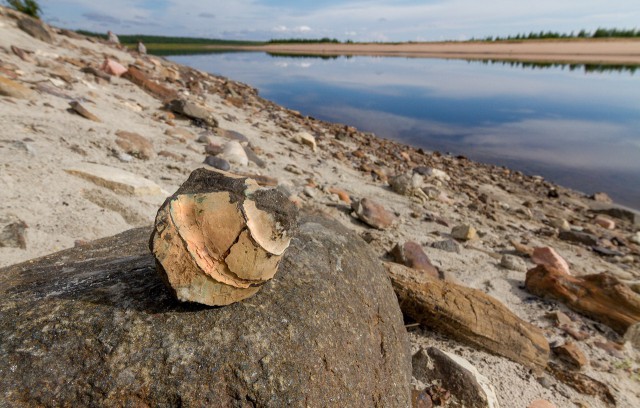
{"x":372,"y":213}
{"x":464,"y":232}
{"x":306,"y":139}
{"x":406,"y":184}
{"x":411,"y":254}
{"x":233,"y":152}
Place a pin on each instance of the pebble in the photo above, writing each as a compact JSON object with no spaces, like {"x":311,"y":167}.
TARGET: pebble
{"x":464,"y":232}
{"x":571,"y":354}
{"x":635,"y":238}
{"x":307,"y":139}
{"x":411,"y":254}
{"x":405,"y":184}
{"x":12,"y":232}
{"x":514,"y":263}
{"x":82,"y":111}
{"x":448,"y":245}
{"x":217,"y":162}
{"x":561,"y":224}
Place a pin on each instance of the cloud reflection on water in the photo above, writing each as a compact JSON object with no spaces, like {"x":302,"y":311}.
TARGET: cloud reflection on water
{"x":582,"y":130}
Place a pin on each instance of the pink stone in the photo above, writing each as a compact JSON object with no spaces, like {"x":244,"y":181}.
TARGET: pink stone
{"x":605,"y":222}
{"x":548,"y":256}
{"x":541,"y":404}
{"x":113,"y":68}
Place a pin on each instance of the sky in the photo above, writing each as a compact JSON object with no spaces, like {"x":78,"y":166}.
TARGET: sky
{"x":357,"y":20}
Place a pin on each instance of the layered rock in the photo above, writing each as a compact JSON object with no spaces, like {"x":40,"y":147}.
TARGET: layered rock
{"x":220,"y":237}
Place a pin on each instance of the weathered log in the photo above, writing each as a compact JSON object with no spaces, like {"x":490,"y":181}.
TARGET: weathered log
{"x":470,"y":316}
{"x":601,"y":296}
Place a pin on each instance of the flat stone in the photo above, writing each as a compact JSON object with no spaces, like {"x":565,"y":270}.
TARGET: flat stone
{"x":457,"y":375}
{"x":601,"y":296}
{"x":372,"y":213}
{"x":13,"y":89}
{"x":135,"y":144}
{"x":548,"y":256}
{"x":578,"y":237}
{"x":571,"y":354}
{"x":37,"y":29}
{"x":616,"y":212}
{"x":411,"y":254}
{"x":464,"y":232}
{"x":559,"y":318}
{"x":448,"y":245}
{"x":112,"y":67}
{"x":582,"y":383}
{"x":115,"y":179}
{"x":217,"y":162}
{"x":99,"y":314}
{"x":84,"y":112}
{"x":253,"y":157}
{"x":514,"y":263}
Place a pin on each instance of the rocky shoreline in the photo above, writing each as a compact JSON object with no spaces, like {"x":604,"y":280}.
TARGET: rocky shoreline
{"x":94,"y":138}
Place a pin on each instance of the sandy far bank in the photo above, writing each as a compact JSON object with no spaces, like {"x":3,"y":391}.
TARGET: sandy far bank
{"x":608,"y":51}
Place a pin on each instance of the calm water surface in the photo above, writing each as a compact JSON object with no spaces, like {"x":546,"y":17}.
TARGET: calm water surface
{"x":578,"y":129}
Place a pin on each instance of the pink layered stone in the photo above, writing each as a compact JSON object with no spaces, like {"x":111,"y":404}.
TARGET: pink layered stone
{"x":541,"y":404}
{"x":549,"y":257}
{"x":112,"y":67}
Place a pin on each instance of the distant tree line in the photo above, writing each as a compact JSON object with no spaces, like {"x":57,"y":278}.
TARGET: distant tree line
{"x":544,"y":35}
{"x":29,"y":7}
{"x":304,"y":40}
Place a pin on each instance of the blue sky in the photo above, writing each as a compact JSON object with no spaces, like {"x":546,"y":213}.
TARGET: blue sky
{"x":359,"y":20}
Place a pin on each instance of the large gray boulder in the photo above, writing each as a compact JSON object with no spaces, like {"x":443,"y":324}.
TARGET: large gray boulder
{"x":95,"y":326}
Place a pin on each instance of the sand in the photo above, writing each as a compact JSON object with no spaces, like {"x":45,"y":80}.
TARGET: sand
{"x":591,"y":51}
{"x":40,"y":140}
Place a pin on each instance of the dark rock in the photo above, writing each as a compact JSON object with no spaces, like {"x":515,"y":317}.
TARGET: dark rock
{"x":606,"y":251}
{"x":194,"y":111}
{"x":36,"y":28}
{"x":578,"y":237}
{"x":97,"y":73}
{"x":448,"y":245}
{"x":217,"y":162}
{"x":95,"y":326}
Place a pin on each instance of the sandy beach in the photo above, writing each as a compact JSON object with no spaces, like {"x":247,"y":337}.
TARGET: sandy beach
{"x":86,"y":154}
{"x":607,"y":51}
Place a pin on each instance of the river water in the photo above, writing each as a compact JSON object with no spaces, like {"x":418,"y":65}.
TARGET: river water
{"x":576,"y":126}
